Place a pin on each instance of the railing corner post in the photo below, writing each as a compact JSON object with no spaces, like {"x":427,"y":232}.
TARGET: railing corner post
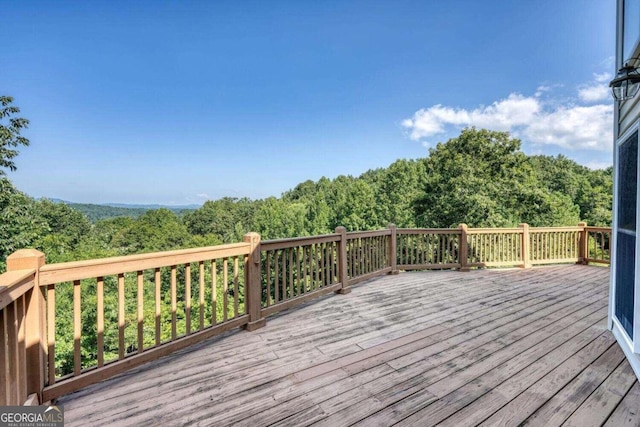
{"x":35,"y":320}
{"x":253,"y":283}
{"x":342,"y":261}
{"x":393,"y":252}
{"x":525,"y":244}
{"x":583,"y":244}
{"x":463,"y":248}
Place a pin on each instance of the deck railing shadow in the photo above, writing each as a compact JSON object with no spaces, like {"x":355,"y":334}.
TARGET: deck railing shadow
{"x":126,"y":311}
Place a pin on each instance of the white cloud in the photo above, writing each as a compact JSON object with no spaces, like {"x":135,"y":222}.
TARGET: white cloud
{"x":596,"y":91}
{"x":516,"y":110}
{"x":602,"y":78}
{"x":202,"y":196}
{"x":576,"y":127}
{"x":598,"y":165}
{"x":542,"y":122}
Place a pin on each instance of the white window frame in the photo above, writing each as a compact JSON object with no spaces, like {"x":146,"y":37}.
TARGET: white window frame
{"x":633,"y":343}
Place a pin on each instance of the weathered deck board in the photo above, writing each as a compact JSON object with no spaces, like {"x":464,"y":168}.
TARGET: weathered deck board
{"x":499,"y":347}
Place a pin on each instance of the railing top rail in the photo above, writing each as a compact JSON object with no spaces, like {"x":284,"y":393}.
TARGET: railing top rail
{"x":78,"y":270}
{"x":429,"y":231}
{"x":373,"y":233}
{"x":598,"y":229}
{"x":14,"y":284}
{"x":495,"y":230}
{"x":270,"y":245}
{"x":554,"y":229}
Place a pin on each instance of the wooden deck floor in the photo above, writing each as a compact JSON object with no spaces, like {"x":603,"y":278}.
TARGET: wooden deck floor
{"x":489,"y":347}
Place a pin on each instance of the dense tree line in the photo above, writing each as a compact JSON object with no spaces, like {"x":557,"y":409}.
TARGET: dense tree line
{"x":480,"y":178}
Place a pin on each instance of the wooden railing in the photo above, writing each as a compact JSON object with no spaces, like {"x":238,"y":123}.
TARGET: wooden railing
{"x":22,"y":311}
{"x":597,"y":242}
{"x":296,"y":270}
{"x":64,"y":326}
{"x":141,"y":306}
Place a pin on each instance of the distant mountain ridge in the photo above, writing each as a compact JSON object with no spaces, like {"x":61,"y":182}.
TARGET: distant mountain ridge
{"x":96,"y":212}
{"x":130,"y":205}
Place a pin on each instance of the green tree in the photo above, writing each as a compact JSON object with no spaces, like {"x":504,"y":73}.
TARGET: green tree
{"x":399,"y":186}
{"x":277,"y":218}
{"x":20,"y":226}
{"x":66,"y":225}
{"x":10,"y":137}
{"x":228,"y":218}
{"x":483,"y":179}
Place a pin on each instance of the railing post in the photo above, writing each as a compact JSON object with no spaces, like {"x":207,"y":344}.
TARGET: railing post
{"x":35,"y":320}
{"x":393,"y":245}
{"x":253,"y":283}
{"x":583,"y":244}
{"x":342,"y":261}
{"x":525,"y":245}
{"x":463,"y":248}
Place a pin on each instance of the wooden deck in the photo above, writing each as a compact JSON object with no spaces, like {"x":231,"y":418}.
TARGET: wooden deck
{"x":489,"y":347}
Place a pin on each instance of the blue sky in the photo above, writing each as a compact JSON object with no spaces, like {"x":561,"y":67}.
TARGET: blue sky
{"x":179,"y":102}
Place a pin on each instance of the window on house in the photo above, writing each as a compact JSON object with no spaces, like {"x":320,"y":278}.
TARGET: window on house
{"x":630,"y":28}
{"x":626,"y":236}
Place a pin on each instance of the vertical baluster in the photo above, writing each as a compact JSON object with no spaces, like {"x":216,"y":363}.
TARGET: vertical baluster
{"x":13,"y":395}
{"x":51,"y":332}
{"x":298,"y":271}
{"x":158,"y":288}
{"x":140,"y":312}
{"x":268,"y":278}
{"x":372,"y":253}
{"x":187,"y":298}
{"x":291,"y":282}
{"x":352,"y":256}
{"x":334,"y":262}
{"x":21,"y":304}
{"x":284,"y":274}
{"x":201,"y":293}
{"x":321,"y":264}
{"x":309,"y":273}
{"x":174,"y":302}
{"x":4,"y":367}
{"x":316,"y":265}
{"x":100,"y":316}
{"x":276,"y":276}
{"x":225,"y":289}
{"x":77,"y":329}
{"x":305,"y":269}
{"x":121,"y":323}
{"x":214,"y":292}
{"x":236,"y":291}
{"x":327,"y":265}
{"x":319,"y":261}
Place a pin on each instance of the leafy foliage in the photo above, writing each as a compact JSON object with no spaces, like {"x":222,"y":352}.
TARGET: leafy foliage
{"x":481,"y":178}
{"x":10,"y":133}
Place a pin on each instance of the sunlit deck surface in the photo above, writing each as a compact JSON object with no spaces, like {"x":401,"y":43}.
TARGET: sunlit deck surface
{"x":492,"y":347}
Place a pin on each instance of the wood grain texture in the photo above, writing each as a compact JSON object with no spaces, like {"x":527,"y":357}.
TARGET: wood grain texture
{"x":492,"y":346}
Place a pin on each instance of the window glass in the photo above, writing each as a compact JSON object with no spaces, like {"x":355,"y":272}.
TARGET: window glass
{"x":631,"y":27}
{"x":628,"y":183}
{"x":626,"y":236}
